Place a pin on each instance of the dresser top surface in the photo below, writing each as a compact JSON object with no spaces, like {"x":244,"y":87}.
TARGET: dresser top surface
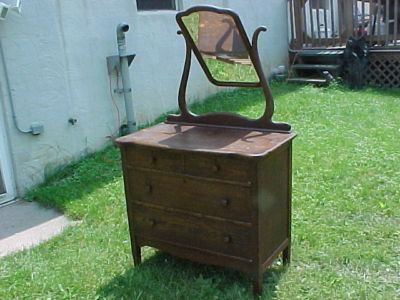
{"x":244,"y":142}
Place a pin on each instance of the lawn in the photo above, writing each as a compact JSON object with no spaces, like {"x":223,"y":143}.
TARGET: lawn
{"x":346,"y":214}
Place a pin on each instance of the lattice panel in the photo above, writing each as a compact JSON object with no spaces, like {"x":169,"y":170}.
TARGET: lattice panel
{"x":383,"y":70}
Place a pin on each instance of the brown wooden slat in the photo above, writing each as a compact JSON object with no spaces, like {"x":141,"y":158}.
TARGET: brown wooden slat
{"x":387,"y":22}
{"x":341,"y":16}
{"x":332,"y":23}
{"x":379,"y":17}
{"x":362,"y":15}
{"x":348,"y":19}
{"x":372,"y":16}
{"x":292,"y":41}
{"x":304,"y":21}
{"x":318,"y":23}
{"x":311,"y":24}
{"x":298,"y":26}
{"x":396,"y":20}
{"x":326,"y":26}
{"x":355,"y":21}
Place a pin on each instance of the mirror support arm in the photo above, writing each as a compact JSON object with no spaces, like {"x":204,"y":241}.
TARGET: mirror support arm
{"x":269,"y":105}
{"x":224,"y":119}
{"x":184,"y":80}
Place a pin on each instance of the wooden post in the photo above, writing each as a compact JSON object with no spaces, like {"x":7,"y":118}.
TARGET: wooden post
{"x":292,"y":35}
{"x":348,"y":19}
{"x":396,"y":20}
{"x":298,"y":23}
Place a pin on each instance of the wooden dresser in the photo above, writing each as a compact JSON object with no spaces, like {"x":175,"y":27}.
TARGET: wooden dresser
{"x":213,"y":195}
{"x":213,"y":188}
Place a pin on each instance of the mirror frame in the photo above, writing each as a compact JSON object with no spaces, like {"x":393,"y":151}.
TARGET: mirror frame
{"x":225,"y":119}
{"x":200,"y":59}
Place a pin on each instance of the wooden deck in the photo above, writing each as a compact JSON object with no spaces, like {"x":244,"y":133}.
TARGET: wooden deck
{"x":330,"y":23}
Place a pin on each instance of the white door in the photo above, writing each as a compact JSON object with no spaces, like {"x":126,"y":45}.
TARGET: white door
{"x":7,"y":186}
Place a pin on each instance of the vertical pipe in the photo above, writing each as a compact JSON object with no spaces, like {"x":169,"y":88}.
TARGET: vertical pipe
{"x":126,"y":83}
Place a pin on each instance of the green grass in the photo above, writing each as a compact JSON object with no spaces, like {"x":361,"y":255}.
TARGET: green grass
{"x":231,"y":72}
{"x":346,"y":215}
{"x":220,"y":70}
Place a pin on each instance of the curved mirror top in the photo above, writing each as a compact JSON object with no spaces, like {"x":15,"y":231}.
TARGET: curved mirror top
{"x":220,"y":47}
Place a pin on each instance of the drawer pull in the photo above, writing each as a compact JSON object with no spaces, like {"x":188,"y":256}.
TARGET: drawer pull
{"x":149,"y":188}
{"x":152,"y":222}
{"x":227,"y":239}
{"x":225,"y":202}
{"x":216,"y":168}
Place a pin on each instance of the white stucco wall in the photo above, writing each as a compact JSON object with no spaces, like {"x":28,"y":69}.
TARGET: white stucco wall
{"x":55,"y":53}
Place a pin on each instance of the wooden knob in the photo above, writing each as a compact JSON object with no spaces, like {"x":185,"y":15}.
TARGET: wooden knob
{"x":149,"y":188}
{"x":152,"y":159}
{"x":227,"y":239}
{"x":216,"y":168}
{"x":152,"y":222}
{"x":225,"y":202}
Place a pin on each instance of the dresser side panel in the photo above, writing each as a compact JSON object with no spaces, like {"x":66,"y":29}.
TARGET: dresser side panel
{"x":274,"y":202}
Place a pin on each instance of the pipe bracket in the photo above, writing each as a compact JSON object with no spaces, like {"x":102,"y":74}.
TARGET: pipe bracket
{"x":113,"y":62}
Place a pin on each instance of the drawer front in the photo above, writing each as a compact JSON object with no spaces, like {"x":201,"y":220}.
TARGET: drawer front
{"x":195,"y":195}
{"x":220,"y":167}
{"x":195,"y":232}
{"x":151,"y":158}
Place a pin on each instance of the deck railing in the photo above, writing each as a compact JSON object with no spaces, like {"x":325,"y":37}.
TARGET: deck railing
{"x":330,"y":23}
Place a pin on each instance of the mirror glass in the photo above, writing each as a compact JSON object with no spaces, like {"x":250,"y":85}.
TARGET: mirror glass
{"x":221,"y":46}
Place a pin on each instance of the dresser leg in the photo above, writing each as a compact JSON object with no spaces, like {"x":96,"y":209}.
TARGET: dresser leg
{"x":137,"y":257}
{"x":286,"y":255}
{"x":257,"y":284}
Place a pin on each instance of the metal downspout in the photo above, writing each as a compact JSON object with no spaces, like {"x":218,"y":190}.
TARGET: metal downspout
{"x":126,"y":83}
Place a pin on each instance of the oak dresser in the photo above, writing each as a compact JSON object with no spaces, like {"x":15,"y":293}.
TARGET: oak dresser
{"x":213,"y":188}
{"x":211,"y":195}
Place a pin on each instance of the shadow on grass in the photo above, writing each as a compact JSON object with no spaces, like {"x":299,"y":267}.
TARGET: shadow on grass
{"x":74,"y":182}
{"x":163,"y":276}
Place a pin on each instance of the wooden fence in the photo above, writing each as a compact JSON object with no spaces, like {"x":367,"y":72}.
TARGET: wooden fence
{"x":330,"y":23}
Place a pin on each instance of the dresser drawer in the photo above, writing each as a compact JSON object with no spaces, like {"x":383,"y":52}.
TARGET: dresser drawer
{"x":191,"y":231}
{"x":191,"y":194}
{"x":152,"y":158}
{"x":226,"y":168}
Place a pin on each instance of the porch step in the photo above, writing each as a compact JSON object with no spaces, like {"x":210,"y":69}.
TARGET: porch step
{"x":316,"y":67}
{"x":320,"y":52}
{"x":316,"y":81}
